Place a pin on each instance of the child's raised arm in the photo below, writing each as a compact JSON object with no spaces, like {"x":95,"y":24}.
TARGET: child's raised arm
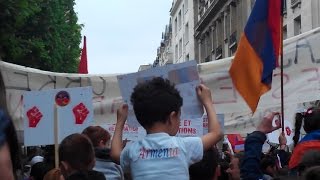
{"x":116,"y":143}
{"x":214,"y":131}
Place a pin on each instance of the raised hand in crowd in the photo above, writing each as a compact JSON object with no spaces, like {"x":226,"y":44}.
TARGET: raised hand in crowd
{"x":117,"y":143}
{"x":214,"y":130}
{"x":250,"y":166}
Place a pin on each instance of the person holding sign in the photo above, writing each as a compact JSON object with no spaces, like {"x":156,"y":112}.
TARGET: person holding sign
{"x":161,"y":155}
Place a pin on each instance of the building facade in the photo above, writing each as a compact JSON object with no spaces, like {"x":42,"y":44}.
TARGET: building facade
{"x":300,"y":16}
{"x":182,"y":21}
{"x":208,"y":30}
{"x":164,"y":51}
{"x":219,"y":24}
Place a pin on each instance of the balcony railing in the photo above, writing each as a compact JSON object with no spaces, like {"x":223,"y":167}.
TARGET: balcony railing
{"x":219,"y":52}
{"x":233,"y":39}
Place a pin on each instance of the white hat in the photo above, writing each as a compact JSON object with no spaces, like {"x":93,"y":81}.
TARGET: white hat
{"x":36,"y":159}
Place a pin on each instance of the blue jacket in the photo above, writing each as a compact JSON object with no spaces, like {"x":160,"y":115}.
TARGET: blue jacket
{"x":4,"y":122}
{"x":250,"y":166}
{"x":111,"y":170}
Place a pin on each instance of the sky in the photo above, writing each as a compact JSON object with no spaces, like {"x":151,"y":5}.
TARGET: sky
{"x":122,"y":34}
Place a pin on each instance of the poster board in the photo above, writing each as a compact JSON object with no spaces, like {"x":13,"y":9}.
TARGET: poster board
{"x":185,"y":77}
{"x":74,"y":113}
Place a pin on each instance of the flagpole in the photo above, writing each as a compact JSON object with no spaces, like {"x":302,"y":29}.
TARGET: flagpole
{"x":281,"y":65}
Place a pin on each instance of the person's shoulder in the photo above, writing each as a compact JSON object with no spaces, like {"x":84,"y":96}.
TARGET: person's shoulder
{"x":87,"y":175}
{"x":188,"y":139}
{"x":92,"y":174}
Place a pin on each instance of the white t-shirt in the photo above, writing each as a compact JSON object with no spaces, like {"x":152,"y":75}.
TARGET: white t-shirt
{"x":160,"y":156}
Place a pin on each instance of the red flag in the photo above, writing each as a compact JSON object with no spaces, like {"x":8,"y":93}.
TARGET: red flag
{"x":83,"y":65}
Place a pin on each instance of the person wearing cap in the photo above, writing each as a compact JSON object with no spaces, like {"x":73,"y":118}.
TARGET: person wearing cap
{"x":35,"y":160}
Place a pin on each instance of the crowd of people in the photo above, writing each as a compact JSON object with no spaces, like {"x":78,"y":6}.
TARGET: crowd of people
{"x":93,"y":154}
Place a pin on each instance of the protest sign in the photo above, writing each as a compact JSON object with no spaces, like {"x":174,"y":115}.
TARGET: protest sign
{"x":184,"y":76}
{"x":190,"y":127}
{"x":74,"y":113}
{"x":129,"y":133}
{"x":205,"y":123}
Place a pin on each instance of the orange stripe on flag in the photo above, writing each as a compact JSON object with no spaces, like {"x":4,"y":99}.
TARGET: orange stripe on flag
{"x":246,"y":72}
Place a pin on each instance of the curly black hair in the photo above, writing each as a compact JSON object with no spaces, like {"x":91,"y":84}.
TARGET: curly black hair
{"x":154,"y":100}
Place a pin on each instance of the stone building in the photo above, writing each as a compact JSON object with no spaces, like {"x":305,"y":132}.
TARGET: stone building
{"x":219,"y":24}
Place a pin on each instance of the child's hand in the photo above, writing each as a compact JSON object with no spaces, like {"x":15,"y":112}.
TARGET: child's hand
{"x":204,"y":94}
{"x":122,"y":113}
{"x":282,"y":139}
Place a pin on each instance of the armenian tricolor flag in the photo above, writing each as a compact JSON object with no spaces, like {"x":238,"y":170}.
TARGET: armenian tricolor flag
{"x":310,"y":141}
{"x":258,"y":51}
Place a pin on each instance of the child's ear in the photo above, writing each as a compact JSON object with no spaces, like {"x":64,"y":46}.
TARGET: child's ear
{"x":64,"y":167}
{"x":173,"y":116}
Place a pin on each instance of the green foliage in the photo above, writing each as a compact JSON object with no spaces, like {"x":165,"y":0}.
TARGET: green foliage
{"x":42,"y":34}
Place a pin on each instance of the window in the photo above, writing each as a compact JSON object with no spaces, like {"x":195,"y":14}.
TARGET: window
{"x":285,"y":6}
{"x":186,"y":6}
{"x":187,"y":57}
{"x":214,"y":39}
{"x":297,"y":25}
{"x":175,"y":26}
{"x":176,"y":53}
{"x":219,"y":32}
{"x":208,"y":44}
{"x":233,"y":19}
{"x":232,"y":51}
{"x":179,"y":19}
{"x":180,"y":48}
{"x":227,"y":26}
{"x":186,"y":38}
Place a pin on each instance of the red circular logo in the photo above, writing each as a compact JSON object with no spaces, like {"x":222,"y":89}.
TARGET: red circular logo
{"x":62,"y":98}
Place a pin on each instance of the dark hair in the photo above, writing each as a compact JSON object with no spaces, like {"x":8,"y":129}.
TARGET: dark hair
{"x":309,"y":159}
{"x":267,"y":161}
{"x":311,"y":120}
{"x":49,"y":156}
{"x":87,"y":175}
{"x":312,"y":173}
{"x":10,"y":131}
{"x":77,"y":151}
{"x":297,"y":125}
{"x":154,"y":100}
{"x":96,"y":134}
{"x":39,"y":170}
{"x":206,"y":168}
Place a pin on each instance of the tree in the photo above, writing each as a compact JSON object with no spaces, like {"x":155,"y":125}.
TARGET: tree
{"x":42,"y":34}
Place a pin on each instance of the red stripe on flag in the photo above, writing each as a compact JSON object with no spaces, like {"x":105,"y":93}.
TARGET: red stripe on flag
{"x":274,"y":23}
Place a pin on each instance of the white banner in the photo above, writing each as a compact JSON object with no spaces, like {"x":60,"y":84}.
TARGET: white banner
{"x":301,"y":79}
